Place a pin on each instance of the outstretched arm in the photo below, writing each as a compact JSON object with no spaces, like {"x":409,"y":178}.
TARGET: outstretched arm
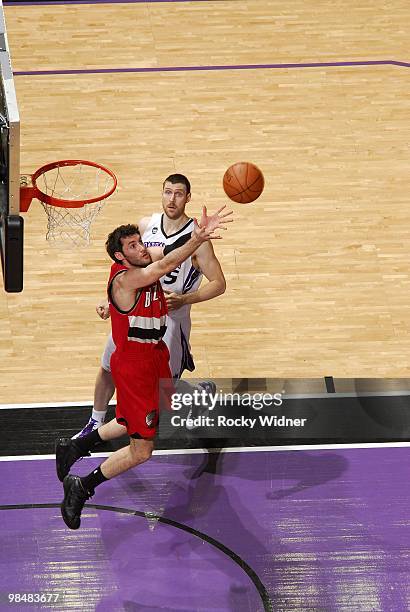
{"x":141,"y":277}
{"x":143,"y":224}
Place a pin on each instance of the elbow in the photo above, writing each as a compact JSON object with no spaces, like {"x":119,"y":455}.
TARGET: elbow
{"x":222,"y":287}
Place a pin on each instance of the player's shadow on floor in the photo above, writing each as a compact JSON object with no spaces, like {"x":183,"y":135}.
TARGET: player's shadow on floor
{"x":216,"y":511}
{"x":219,"y":511}
{"x":307,"y":469}
{"x":213,"y":460}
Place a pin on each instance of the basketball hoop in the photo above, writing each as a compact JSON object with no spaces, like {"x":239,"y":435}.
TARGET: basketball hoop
{"x":72,"y":193}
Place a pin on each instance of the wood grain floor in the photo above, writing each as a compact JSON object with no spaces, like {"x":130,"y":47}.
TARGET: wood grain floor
{"x":317,"y":268}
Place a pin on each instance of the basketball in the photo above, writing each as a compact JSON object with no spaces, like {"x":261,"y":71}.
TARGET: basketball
{"x":243,"y":182}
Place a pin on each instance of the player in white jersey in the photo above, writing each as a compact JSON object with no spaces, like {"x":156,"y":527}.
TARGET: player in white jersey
{"x":185,"y":279}
{"x":182,"y":287}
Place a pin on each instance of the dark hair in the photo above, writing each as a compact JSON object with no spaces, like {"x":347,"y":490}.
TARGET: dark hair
{"x":114,"y":243}
{"x":178,"y":178}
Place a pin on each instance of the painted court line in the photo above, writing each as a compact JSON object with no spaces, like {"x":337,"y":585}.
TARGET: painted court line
{"x":285,"y":396}
{"x":69,"y":2}
{"x":235,"y":449}
{"x":211,"y":68}
{"x":83,"y":404}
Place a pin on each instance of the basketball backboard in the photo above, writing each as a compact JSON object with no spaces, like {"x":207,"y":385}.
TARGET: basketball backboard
{"x":11,"y":223}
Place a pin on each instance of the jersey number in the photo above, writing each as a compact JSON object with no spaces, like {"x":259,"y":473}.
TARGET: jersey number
{"x":150,"y":297}
{"x":171,"y":277}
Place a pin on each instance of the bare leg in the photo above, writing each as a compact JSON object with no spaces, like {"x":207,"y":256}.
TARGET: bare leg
{"x":122,"y":460}
{"x":111,"y":430}
{"x":104,"y":390}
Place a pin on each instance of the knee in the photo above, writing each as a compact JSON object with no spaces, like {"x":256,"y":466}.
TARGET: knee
{"x":105,"y":379}
{"x":146,"y":453}
{"x":105,"y":374}
{"x":141,"y":453}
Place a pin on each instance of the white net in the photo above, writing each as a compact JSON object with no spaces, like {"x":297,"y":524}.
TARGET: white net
{"x":73,"y":183}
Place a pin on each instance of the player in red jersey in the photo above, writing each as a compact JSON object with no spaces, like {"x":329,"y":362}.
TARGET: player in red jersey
{"x":138,"y":319}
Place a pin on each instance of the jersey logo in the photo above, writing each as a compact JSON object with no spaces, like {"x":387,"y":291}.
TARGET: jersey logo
{"x":150,"y":297}
{"x":151,"y":419}
{"x":171,"y":277}
{"x":154,"y":230}
{"x":153,"y":244}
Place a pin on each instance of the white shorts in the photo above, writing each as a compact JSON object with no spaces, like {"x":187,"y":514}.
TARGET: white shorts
{"x":177,"y":340}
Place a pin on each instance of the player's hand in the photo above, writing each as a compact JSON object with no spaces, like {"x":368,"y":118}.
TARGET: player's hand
{"x":210,"y":223}
{"x":174,"y":300}
{"x":103,"y":310}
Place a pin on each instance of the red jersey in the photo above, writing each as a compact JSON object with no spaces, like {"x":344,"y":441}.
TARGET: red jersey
{"x":144,"y":323}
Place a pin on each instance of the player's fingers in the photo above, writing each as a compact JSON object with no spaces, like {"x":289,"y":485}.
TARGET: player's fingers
{"x":220,"y":209}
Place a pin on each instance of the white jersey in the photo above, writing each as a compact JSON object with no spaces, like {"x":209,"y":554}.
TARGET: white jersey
{"x":184,"y":279}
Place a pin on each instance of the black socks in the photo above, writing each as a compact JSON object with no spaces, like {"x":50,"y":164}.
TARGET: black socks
{"x":95,"y":478}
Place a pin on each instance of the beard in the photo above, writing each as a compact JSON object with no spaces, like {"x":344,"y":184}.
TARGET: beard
{"x":139,"y":263}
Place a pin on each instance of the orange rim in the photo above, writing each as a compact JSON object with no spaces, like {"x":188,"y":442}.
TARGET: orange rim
{"x":52,"y":201}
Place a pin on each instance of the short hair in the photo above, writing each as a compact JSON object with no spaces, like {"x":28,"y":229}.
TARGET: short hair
{"x":114,"y":243}
{"x":178,"y":178}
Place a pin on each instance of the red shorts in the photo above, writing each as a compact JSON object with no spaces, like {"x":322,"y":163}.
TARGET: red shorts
{"x":136,"y":376}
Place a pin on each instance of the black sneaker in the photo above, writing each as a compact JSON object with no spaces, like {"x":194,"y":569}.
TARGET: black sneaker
{"x":67,"y":453}
{"x":75,"y":497}
{"x":210,"y":390}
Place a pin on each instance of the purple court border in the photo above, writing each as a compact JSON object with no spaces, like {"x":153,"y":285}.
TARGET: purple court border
{"x":180,"y":68}
{"x":222,"y":67}
{"x":65,"y":2}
